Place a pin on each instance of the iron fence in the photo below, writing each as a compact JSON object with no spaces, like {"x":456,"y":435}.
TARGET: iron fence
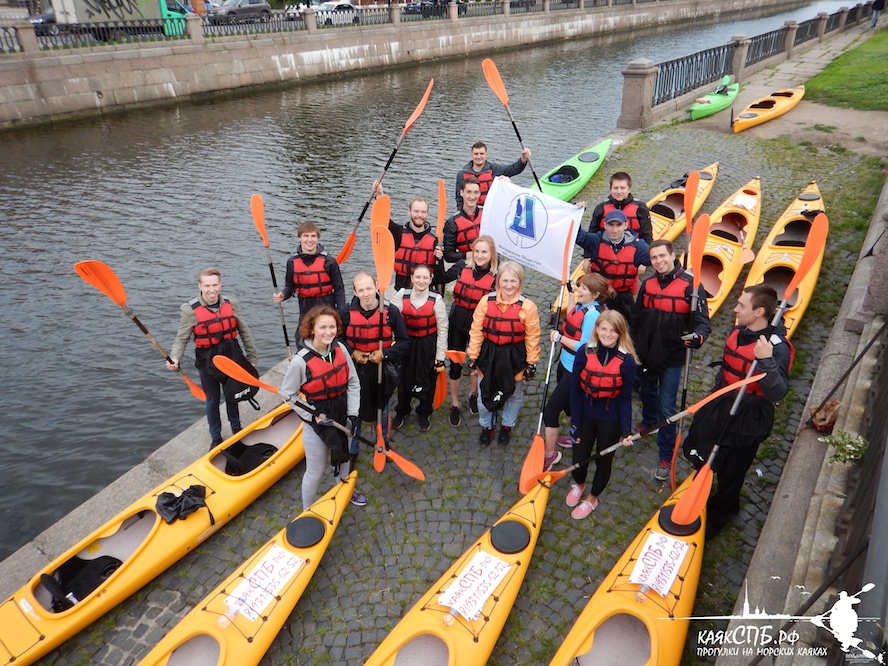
{"x":595,"y":3}
{"x":52,"y":36}
{"x":419,"y":11}
{"x":676,"y":77}
{"x":485,"y":8}
{"x":852,"y":14}
{"x":762,"y":47}
{"x":64,"y":37}
{"x":832,"y":23}
{"x":564,"y":4}
{"x":288,"y":22}
{"x":522,"y":6}
{"x":622,"y":2}
{"x":9,"y":40}
{"x":806,"y":31}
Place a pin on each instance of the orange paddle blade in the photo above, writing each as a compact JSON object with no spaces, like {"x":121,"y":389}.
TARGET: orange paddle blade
{"x":442,"y":210}
{"x":257,"y":208}
{"x":698,"y":247}
{"x":235,"y":371}
{"x":552,"y":476}
{"x":456,"y":356}
{"x":692,"y":184}
{"x":565,"y":262}
{"x":196,"y":390}
{"x":383,"y":256}
{"x":100,"y":276}
{"x":533,"y":463}
{"x":419,"y":108}
{"x":409,"y":468}
{"x":495,"y":81}
{"x":381,"y":212}
{"x":691,"y":504}
{"x":379,"y":452}
{"x":813,"y":249}
{"x":440,"y":390}
{"x":347,"y":248}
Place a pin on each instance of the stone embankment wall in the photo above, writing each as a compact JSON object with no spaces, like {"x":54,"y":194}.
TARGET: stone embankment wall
{"x":38,"y":86}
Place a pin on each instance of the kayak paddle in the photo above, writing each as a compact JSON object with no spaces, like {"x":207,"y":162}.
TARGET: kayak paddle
{"x":257,"y":208}
{"x":384,"y":258}
{"x":439,"y":232}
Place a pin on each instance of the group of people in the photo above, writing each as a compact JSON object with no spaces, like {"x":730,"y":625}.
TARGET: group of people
{"x":620,"y":333}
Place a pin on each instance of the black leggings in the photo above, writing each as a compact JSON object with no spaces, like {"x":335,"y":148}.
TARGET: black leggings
{"x":598,"y":434}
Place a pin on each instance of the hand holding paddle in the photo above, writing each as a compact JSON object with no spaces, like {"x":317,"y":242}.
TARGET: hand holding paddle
{"x":233,"y":370}
{"x":349,"y":245}
{"x":495,"y":81}
{"x":257,"y":208}
{"x":100,"y":276}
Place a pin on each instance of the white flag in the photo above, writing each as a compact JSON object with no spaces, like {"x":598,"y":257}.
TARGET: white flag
{"x":529,"y":226}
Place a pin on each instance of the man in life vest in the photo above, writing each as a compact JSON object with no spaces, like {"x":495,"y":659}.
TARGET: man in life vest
{"x":462,"y":228}
{"x":615,"y":253}
{"x":213,"y":320}
{"x":663,"y":327}
{"x":486,"y":171}
{"x":739,"y":437}
{"x":637,"y":214}
{"x":312,"y":274}
{"x":362,"y":332}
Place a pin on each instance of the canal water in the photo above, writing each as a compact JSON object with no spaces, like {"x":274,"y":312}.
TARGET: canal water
{"x":159,"y":194}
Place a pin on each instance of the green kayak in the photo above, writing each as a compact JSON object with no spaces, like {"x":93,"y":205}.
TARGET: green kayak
{"x":718,"y":100}
{"x":566,"y":180}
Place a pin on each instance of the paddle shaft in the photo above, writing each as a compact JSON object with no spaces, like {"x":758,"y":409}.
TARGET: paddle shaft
{"x":523,"y":147}
{"x":280,"y":306}
{"x":379,"y":180}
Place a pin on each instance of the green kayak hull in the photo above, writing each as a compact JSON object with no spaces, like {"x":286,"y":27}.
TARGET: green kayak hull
{"x":575,"y":172}
{"x":715,"y":102}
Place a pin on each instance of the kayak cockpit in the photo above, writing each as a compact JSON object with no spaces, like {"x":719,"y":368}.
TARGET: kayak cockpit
{"x":621,"y":639}
{"x":795,"y":234}
{"x":566,"y":174}
{"x":424,"y":650}
{"x":672,"y":207}
{"x":200,"y":650}
{"x":711,"y":272}
{"x":256,"y":446}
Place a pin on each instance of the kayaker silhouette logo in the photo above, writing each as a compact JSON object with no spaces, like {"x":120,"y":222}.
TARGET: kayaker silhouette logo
{"x":526,"y":221}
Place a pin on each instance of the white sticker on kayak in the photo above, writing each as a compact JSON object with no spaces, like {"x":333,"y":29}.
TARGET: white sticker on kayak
{"x":659,"y":562}
{"x":473,"y":587}
{"x":263,"y":583}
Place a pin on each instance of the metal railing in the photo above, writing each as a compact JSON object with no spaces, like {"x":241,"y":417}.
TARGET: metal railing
{"x":807,"y":31}
{"x":622,"y":2}
{"x":555,"y":5}
{"x":852,"y":14}
{"x":416,"y":11}
{"x":762,"y":47}
{"x":78,"y":35}
{"x":288,"y":22}
{"x":833,"y":21}
{"x":522,"y":6}
{"x":676,"y":77}
{"x":8,"y":40}
{"x":485,"y":8}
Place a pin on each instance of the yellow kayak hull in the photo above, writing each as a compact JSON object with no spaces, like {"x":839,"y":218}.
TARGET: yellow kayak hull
{"x":732,"y":229}
{"x":422,"y":634}
{"x":143,"y":542}
{"x":780,"y":255}
{"x":280,"y":571}
{"x":667,"y":208}
{"x":615,"y":628}
{"x":767,"y":108}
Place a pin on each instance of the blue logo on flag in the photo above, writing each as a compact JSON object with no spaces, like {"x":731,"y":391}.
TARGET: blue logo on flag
{"x":522,"y":224}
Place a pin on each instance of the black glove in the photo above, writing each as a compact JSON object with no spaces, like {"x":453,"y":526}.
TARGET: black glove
{"x":324,"y":420}
{"x":472,"y":364}
{"x":353,"y":422}
{"x":530,"y":372}
{"x":439,"y":366}
{"x":692,"y":341}
{"x":570,"y":286}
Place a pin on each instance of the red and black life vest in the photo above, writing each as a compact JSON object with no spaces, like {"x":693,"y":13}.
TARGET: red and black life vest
{"x":421,"y":322}
{"x":503,"y":328}
{"x":602,"y":381}
{"x":617,"y":267}
{"x":631,"y":212}
{"x":362,"y":332}
{"x":414,"y":253}
{"x":213,"y":327}
{"x":572,"y":327}
{"x":468,"y":292}
{"x":311,"y":281}
{"x":485,"y":180}
{"x":671,"y":298}
{"x":738,"y":358}
{"x":467,"y":230}
{"x":325,"y":379}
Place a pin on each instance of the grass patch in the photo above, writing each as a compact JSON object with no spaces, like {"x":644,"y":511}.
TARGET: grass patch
{"x":856,"y":79}
{"x":828,"y":129}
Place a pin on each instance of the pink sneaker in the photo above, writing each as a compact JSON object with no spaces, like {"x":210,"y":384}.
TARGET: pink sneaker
{"x":549,"y":461}
{"x":576,"y":492}
{"x":584,"y":509}
{"x":565,"y":442}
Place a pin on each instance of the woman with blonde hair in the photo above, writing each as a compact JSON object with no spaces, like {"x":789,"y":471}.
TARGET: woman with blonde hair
{"x":601,"y":405}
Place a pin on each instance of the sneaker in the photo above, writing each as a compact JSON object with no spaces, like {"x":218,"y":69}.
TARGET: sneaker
{"x":663,"y":470}
{"x":473,"y":404}
{"x":425,"y":423}
{"x":505,"y":434}
{"x":216,"y":442}
{"x":484,"y":439}
{"x":398,"y":421}
{"x":455,"y":418}
{"x":549,"y":461}
{"x":358,"y":499}
{"x":566,"y":442}
{"x":584,"y":509}
{"x":576,"y":492}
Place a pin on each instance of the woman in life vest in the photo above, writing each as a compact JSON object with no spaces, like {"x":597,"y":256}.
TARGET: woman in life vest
{"x":504,"y":347}
{"x":576,"y":331}
{"x":323,"y":375}
{"x":475,"y":278}
{"x":426,"y":319}
{"x":601,"y":405}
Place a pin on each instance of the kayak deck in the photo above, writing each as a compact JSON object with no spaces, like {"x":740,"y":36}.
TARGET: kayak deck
{"x":566,"y":180}
{"x":768,"y":108}
{"x":667,"y":208}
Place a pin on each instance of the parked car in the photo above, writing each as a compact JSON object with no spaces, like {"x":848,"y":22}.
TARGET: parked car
{"x":240,"y":11}
{"x":431,"y":8}
{"x":45,"y":24}
{"x":337,"y":12}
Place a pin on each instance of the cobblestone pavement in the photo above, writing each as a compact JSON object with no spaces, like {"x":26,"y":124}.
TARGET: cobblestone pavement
{"x":385,"y":555}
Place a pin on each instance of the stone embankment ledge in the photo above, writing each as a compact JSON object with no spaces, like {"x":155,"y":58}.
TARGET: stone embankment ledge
{"x":41,"y":86}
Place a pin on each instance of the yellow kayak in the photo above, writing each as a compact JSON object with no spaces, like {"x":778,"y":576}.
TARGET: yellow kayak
{"x":731,"y":233}
{"x":667,"y":208}
{"x":780,"y":254}
{"x":138,"y":544}
{"x":633,"y":624}
{"x":767,"y":108}
{"x":458,"y":621}
{"x":237,"y":622}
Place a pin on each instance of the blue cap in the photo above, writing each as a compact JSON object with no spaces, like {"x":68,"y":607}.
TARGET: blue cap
{"x":617,"y":216}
